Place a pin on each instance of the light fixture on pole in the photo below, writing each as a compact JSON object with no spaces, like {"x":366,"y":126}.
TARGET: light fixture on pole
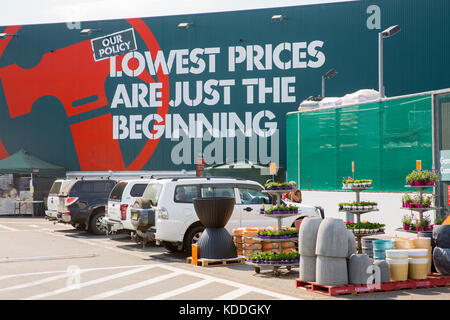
{"x":330,"y":74}
{"x":87,"y":32}
{"x":184,"y":25}
{"x":389,"y":32}
{"x":6,"y":35}
{"x":278,"y":18}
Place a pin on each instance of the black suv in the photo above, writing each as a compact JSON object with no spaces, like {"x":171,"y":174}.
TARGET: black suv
{"x":85,"y":203}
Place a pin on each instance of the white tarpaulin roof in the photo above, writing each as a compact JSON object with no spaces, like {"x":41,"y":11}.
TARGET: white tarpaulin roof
{"x":360,"y":96}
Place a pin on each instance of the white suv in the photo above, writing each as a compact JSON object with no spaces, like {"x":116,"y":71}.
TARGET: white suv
{"x":121,"y":199}
{"x":176,"y":223}
{"x":53,"y":199}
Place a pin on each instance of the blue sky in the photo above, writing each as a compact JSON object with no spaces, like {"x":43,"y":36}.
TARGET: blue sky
{"x":47,"y":11}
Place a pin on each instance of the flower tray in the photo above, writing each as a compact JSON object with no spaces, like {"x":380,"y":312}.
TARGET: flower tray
{"x":279,"y":212}
{"x":277,"y":262}
{"x":293,"y":236}
{"x":412,"y":205}
{"x":280,"y":188}
{"x":421,"y":183}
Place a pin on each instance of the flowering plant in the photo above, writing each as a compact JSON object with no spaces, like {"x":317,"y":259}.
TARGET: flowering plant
{"x":281,"y":209}
{"x":278,"y":185}
{"x":286,"y":257}
{"x":422,"y":178}
{"x":292,"y":232}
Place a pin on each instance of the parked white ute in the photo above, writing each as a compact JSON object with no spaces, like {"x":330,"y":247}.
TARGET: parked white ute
{"x":121,"y":199}
{"x":166,"y":212}
{"x":53,"y":199}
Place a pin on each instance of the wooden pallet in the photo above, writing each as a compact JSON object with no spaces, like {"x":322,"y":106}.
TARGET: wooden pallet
{"x":433,"y":280}
{"x":215,"y":263}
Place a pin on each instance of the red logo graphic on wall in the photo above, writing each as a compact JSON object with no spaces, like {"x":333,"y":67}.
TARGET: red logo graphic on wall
{"x":71,"y":83}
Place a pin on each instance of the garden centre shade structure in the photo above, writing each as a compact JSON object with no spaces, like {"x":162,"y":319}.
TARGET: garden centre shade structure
{"x":23,"y":162}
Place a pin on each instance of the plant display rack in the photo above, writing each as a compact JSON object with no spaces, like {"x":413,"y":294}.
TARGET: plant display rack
{"x":276,"y":267}
{"x":358,"y":213}
{"x":422,"y":209}
{"x":433,"y":280}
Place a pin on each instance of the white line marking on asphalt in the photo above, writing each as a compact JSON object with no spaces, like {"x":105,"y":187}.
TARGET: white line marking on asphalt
{"x":133,"y":286}
{"x":233,"y":294}
{"x":195,"y":274}
{"x":34,"y":226}
{"x":64,"y":271}
{"x":181,"y":290}
{"x":233,"y":284}
{"x":35,"y":283}
{"x":89,"y":283}
{"x":7,"y":228}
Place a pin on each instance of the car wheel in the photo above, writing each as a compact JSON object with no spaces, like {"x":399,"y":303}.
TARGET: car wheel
{"x":95,"y":225}
{"x":192,"y":238}
{"x":172,"y":247}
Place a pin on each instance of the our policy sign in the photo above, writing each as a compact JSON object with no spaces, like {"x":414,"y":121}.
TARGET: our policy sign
{"x":114,"y":44}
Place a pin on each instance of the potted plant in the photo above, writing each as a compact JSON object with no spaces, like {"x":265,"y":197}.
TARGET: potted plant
{"x":406,"y":221}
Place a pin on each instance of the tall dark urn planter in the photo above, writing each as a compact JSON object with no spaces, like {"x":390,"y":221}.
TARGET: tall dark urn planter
{"x":215,"y":242}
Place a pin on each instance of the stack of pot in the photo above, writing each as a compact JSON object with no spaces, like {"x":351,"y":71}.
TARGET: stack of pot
{"x":441,"y":253}
{"x":332,"y":253}
{"x":403,"y":243}
{"x":425,"y":244}
{"x":418,"y":263}
{"x":380,"y":247}
{"x":307,"y":248}
{"x":398,"y":264}
{"x":367,"y":246}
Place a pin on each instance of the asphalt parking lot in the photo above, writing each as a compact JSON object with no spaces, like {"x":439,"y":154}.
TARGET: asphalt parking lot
{"x":42,"y":260}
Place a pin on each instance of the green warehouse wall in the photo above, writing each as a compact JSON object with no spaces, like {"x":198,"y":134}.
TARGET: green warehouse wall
{"x":384,"y":139}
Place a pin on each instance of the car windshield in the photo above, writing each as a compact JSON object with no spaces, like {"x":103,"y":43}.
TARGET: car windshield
{"x":152,"y":193}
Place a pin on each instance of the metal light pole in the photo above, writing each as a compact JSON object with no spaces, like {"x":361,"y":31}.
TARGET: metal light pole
{"x":323,"y":86}
{"x":389,"y":32}
{"x":380,"y":65}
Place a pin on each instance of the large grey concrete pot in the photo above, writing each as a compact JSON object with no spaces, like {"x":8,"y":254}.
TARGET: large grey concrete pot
{"x":215,"y":241}
{"x":441,"y":236}
{"x":307,"y":268}
{"x":357,"y":268}
{"x":385,"y":275}
{"x":332,"y":239}
{"x":307,"y":236}
{"x":331,"y":271}
{"x":351,"y":243}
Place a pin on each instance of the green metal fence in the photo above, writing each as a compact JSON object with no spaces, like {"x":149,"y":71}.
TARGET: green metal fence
{"x":383,"y":139}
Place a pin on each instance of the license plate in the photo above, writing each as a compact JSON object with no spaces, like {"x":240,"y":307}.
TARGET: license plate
{"x":135,"y":216}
